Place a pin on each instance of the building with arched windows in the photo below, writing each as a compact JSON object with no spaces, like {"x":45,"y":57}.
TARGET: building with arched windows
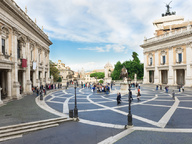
{"x":24,"y":52}
{"x":167,"y":56}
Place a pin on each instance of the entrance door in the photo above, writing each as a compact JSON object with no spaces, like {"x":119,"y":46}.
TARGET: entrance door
{"x":180,"y":76}
{"x":151,"y":76}
{"x":3,"y":84}
{"x":20,"y":79}
{"x":164,"y":76}
{"x":31,"y":78}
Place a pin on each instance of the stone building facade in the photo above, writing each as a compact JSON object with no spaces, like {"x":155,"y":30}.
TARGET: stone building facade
{"x":24,"y":52}
{"x":167,"y":56}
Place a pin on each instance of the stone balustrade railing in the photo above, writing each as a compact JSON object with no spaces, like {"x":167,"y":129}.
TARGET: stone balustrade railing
{"x":168,"y":34}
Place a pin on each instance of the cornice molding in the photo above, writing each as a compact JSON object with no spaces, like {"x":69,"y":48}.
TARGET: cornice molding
{"x":25,"y":19}
{"x":167,"y":38}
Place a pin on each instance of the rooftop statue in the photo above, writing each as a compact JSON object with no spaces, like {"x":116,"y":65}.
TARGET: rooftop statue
{"x":168,"y":10}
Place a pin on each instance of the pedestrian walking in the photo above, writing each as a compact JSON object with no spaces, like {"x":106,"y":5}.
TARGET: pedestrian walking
{"x":37,"y":91}
{"x":138,"y":95}
{"x":160,"y":87}
{"x":183,"y":88}
{"x":130,"y":95}
{"x":118,"y":98}
{"x":157,"y":87}
{"x":173,"y":94}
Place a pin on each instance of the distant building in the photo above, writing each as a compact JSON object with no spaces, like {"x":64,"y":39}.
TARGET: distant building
{"x":108,"y":69}
{"x":167,"y":56}
{"x":65,"y":72}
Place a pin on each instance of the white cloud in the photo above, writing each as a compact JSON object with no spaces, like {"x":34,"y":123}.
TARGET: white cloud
{"x":89,"y":66}
{"x":115,"y":47}
{"x":122,"y":23}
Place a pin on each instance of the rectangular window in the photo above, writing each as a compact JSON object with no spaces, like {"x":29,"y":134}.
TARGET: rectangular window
{"x":180,"y":57}
{"x":3,"y":46}
{"x":163,"y":59}
{"x":151,"y":61}
{"x":18,"y":49}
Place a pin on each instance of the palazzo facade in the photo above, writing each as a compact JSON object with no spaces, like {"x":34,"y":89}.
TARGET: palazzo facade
{"x":167,"y":56}
{"x":24,"y":52}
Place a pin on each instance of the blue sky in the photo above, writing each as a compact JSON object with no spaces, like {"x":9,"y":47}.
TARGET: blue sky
{"x":89,"y":33}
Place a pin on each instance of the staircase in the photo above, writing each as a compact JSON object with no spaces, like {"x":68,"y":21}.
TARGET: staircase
{"x":16,"y":131}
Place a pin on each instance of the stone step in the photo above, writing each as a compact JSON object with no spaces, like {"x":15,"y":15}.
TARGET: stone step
{"x":13,"y":135}
{"x":31,"y":123}
{"x":15,"y":131}
{"x":12,"y":129}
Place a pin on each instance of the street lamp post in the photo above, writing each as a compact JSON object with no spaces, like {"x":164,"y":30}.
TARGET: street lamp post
{"x":129,"y":116}
{"x":75,"y":109}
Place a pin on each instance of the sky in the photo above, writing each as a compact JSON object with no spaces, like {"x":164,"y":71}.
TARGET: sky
{"x":90,"y":33}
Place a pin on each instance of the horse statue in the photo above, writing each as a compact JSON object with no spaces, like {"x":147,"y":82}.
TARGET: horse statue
{"x":124,"y":73}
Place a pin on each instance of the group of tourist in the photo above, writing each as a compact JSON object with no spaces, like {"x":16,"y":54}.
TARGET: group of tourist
{"x":42,"y":89}
{"x":167,"y":88}
{"x":97,"y":87}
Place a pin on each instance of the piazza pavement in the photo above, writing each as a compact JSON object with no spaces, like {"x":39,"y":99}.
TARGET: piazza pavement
{"x":157,"y":118}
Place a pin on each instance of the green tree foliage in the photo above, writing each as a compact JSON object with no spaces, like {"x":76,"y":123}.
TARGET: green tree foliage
{"x":133,"y":67}
{"x":53,"y":71}
{"x":117,"y":70}
{"x":98,"y":75}
{"x":101,"y":81}
{"x":59,"y":79}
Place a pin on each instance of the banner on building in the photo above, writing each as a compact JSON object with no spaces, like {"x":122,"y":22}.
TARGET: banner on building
{"x":24,"y":63}
{"x":34,"y":65}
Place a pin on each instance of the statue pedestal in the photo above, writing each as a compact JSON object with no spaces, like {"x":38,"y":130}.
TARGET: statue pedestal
{"x":107,"y":80}
{"x":64,"y":82}
{"x":124,"y":87}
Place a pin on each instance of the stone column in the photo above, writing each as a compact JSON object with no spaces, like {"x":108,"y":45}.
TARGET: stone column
{"x":145,"y":78}
{"x":16,"y":85}
{"x":43,"y":72}
{"x":170,"y":71}
{"x":160,"y":77}
{"x":188,"y":71}
{"x":175,"y":77}
{"x":37,"y":69}
{"x":34,"y":79}
{"x":28,"y":81}
{"x":156,"y":79}
{"x":48,"y":72}
{"x":9,"y":84}
{"x":24,"y":82}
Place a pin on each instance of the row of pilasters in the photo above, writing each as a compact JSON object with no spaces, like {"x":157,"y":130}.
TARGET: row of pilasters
{"x":171,"y":71}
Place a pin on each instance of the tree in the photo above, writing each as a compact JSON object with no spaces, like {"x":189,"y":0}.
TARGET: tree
{"x":117,"y":71}
{"x":53,"y":71}
{"x":59,"y":79}
{"x":135,"y":57}
{"x":98,"y":75}
{"x":101,"y":81}
{"x":133,"y":67}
